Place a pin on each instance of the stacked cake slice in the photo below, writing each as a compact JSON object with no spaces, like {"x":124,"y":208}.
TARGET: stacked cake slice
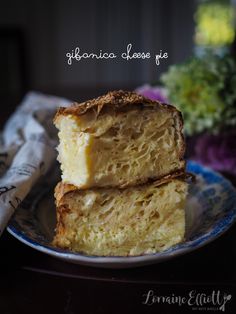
{"x":123,"y":189}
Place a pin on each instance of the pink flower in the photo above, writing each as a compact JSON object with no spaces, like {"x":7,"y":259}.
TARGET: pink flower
{"x":152,"y":92}
{"x":217,"y":151}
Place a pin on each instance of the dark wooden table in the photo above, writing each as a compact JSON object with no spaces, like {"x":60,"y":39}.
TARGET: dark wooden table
{"x":32,"y":282}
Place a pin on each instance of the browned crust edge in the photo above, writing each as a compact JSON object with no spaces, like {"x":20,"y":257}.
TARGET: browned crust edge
{"x":114,"y":99}
{"x":62,"y":189}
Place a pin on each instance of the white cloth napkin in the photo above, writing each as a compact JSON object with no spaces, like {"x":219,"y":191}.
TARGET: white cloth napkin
{"x":27,"y":149}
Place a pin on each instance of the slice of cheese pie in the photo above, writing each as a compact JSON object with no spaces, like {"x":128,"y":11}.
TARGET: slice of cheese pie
{"x":120,"y":139}
{"x":121,"y":222}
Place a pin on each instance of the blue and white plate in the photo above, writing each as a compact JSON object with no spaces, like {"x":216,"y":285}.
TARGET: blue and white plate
{"x":210,"y":211}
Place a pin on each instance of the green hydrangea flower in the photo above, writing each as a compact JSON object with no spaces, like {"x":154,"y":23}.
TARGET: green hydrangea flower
{"x":204,"y":89}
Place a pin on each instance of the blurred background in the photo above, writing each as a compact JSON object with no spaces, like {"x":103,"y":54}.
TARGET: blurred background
{"x":35,"y":36}
{"x":199,"y":76}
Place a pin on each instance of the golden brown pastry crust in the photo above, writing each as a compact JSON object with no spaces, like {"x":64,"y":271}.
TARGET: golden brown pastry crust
{"x":62,"y":188}
{"x":116,"y":100}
